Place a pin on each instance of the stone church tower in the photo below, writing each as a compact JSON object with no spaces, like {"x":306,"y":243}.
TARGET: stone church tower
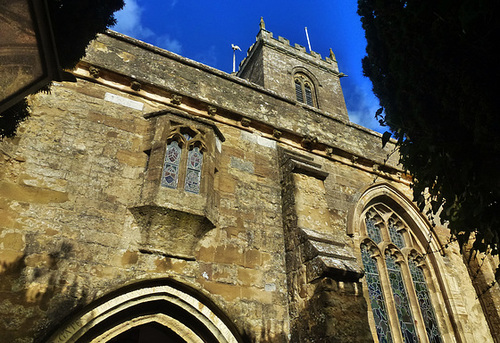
{"x":157,"y":199}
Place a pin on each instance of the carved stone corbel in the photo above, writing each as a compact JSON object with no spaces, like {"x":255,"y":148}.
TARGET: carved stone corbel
{"x":136,"y":86}
{"x":245,"y":122}
{"x":94,"y":72}
{"x":212,"y":110}
{"x":308,"y":142}
{"x":176,"y":99}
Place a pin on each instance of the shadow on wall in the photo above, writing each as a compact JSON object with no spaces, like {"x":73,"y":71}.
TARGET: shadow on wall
{"x":337,"y":312}
{"x":31,"y":287}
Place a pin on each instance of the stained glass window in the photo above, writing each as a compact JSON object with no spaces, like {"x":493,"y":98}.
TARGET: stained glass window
{"x":396,"y":236}
{"x":401,"y":300}
{"x":425,"y":303}
{"x":170,"y":173}
{"x":373,"y":230}
{"x":193,"y":172}
{"x":383,"y":225}
{"x":376,"y":296}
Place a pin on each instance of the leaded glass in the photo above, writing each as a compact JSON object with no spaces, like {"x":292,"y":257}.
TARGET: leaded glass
{"x":193,"y":173}
{"x":401,"y":300}
{"x":373,"y":230}
{"x":376,"y":296}
{"x":425,"y":303}
{"x":396,"y":236}
{"x":170,"y":173}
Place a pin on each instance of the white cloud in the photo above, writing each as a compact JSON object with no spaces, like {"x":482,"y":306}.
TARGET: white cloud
{"x":362,"y":105}
{"x":167,"y":43}
{"x":129,"y":21}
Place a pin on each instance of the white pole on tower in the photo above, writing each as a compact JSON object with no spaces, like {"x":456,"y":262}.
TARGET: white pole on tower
{"x":308,"y":42}
{"x":234,"y":47}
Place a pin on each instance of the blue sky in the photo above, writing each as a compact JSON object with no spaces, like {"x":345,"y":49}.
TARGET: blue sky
{"x":204,"y":31}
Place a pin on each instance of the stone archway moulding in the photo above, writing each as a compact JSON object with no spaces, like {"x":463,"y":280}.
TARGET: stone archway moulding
{"x":129,"y":300}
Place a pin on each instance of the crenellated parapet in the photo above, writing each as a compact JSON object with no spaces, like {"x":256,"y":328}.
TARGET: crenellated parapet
{"x":298,"y":51}
{"x":291,"y":71}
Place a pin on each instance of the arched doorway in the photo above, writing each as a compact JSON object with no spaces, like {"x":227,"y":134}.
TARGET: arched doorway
{"x":152,"y":311}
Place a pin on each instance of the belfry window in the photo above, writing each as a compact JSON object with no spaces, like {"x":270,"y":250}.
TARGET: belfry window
{"x":304,"y":90}
{"x":394,"y":272}
{"x":183,"y":160}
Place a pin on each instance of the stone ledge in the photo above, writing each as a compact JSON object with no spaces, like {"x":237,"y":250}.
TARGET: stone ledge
{"x":325,"y":257}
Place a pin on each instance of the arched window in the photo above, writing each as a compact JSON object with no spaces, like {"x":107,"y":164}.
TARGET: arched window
{"x":394,"y":272}
{"x":183,"y":159}
{"x":304,"y":89}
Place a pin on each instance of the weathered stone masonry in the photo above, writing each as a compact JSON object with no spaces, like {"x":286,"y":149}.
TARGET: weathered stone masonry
{"x":93,"y":247}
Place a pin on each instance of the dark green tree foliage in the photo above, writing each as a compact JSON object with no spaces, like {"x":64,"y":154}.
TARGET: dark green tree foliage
{"x":10,"y":119}
{"x":74,"y":23}
{"x":433,"y":68}
{"x":77,"y":22}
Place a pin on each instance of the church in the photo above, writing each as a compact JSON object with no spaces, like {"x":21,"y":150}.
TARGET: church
{"x":157,"y":199}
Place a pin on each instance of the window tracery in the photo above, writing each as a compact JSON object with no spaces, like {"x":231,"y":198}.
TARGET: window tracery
{"x":184,"y":159}
{"x":399,"y":296}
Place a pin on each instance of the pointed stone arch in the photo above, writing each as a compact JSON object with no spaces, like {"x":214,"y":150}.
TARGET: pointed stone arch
{"x":180,"y":309}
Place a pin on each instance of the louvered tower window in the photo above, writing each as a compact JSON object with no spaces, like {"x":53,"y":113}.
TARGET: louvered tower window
{"x":304,"y":90}
{"x":298,"y":91}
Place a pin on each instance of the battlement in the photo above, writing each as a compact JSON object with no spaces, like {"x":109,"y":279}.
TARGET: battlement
{"x":265,"y":37}
{"x":278,"y":66}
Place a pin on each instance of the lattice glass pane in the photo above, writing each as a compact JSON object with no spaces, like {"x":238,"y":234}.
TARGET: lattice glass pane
{"x":376,"y":296}
{"x":193,"y":173}
{"x":173,"y":154}
{"x":170,"y":174}
{"x":424,"y":301}
{"x":298,"y":91}
{"x":373,"y":230}
{"x":396,"y":237}
{"x":401,"y":300}
{"x":309,"y":100}
{"x":195,"y":158}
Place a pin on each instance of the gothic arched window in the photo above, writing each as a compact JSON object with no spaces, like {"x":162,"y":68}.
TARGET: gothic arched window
{"x":397,"y":287}
{"x":304,"y":89}
{"x":183,"y":159}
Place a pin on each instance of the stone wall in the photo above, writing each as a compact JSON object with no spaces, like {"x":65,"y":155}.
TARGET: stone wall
{"x":268,"y":241}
